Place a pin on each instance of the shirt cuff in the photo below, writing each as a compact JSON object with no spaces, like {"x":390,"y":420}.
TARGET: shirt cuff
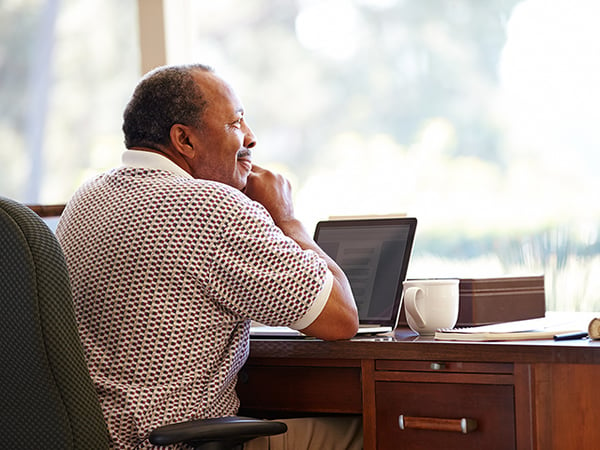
{"x":317,"y":305}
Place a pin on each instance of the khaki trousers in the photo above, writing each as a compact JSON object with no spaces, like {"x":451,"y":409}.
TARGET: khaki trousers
{"x":314,"y":433}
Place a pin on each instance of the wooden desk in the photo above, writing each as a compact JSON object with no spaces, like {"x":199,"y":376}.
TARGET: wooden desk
{"x":522,"y":395}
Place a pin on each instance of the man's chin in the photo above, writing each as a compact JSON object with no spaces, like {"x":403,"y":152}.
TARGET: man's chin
{"x":241,"y":183}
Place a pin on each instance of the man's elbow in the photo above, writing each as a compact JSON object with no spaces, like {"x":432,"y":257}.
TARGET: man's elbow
{"x":345,"y":330}
{"x":342,"y":327}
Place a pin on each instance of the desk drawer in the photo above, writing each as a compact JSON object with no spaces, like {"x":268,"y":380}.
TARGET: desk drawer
{"x":297,"y":389}
{"x":430,"y":411}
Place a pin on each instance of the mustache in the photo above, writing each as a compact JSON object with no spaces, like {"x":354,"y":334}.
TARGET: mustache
{"x":244,"y":153}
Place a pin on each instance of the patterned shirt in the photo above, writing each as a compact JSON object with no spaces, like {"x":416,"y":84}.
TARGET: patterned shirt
{"x":167,"y":272}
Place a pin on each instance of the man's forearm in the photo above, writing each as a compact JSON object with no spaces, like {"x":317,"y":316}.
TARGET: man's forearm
{"x":295,"y":230}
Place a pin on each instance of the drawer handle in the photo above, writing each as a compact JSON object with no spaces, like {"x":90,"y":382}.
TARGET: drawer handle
{"x":463,"y":425}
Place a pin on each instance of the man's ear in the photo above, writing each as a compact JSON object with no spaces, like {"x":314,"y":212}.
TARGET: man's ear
{"x":181,"y":139}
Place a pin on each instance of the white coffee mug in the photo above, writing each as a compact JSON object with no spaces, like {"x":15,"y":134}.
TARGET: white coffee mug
{"x":431,"y":304}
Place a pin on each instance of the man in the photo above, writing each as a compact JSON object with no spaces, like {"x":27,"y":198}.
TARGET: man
{"x":172,"y":254}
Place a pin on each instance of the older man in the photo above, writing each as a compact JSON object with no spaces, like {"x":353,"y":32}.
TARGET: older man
{"x":173,"y":253}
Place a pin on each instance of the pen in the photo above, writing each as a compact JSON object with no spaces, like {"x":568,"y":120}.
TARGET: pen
{"x":569,"y":336}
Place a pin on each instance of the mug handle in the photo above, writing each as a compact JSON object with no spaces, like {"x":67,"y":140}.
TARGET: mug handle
{"x":411,"y":297}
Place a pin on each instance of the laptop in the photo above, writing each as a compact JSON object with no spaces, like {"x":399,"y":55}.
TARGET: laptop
{"x":374,"y":254}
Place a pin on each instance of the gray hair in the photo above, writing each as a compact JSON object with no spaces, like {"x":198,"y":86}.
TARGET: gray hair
{"x":163,"y":97}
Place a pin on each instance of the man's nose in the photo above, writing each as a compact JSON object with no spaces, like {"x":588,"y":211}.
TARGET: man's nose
{"x":249,"y":138}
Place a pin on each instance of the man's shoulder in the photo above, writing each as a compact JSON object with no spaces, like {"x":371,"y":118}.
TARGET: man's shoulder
{"x":148,"y":189}
{"x":162,"y":180}
{"x":219,"y":193}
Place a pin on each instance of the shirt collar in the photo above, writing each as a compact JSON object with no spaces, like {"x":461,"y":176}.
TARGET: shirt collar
{"x":150,"y":160}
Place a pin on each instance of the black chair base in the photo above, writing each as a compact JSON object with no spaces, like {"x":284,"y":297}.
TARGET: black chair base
{"x":217,"y":434}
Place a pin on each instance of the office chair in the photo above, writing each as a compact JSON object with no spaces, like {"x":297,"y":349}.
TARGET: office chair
{"x":47,"y":397}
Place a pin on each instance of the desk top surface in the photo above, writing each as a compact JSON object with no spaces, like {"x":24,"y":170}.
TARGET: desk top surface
{"x":404,"y":344}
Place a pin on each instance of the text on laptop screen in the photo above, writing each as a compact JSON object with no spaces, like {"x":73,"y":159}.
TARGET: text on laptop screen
{"x":373,"y":258}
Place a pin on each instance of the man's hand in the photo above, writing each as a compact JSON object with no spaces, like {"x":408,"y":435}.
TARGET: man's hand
{"x":273,"y":191}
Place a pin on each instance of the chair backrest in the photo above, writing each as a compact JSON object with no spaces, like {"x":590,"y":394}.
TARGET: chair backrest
{"x":47,"y":398}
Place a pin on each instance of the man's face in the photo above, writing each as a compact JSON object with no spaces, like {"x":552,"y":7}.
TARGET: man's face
{"x":223,"y":145}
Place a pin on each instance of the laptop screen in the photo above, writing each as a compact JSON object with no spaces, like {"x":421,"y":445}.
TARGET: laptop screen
{"x":374,"y":254}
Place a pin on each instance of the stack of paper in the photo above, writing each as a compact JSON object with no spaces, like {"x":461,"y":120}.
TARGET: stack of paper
{"x":541,"y":328}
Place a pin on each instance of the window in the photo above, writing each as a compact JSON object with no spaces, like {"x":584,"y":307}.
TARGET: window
{"x":67,"y":68}
{"x":479,"y":118}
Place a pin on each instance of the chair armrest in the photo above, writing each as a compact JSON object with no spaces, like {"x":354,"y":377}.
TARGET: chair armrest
{"x":231,"y":429}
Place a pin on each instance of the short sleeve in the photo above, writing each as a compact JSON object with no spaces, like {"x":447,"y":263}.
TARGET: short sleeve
{"x":317,"y":305}
{"x":261,"y":274}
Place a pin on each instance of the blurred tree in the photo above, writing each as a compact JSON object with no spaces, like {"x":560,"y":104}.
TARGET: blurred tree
{"x":67,"y":68}
{"x":18,"y":22}
{"x":368,"y":69}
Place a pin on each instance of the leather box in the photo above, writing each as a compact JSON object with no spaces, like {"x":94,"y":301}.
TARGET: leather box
{"x":492,"y":300}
